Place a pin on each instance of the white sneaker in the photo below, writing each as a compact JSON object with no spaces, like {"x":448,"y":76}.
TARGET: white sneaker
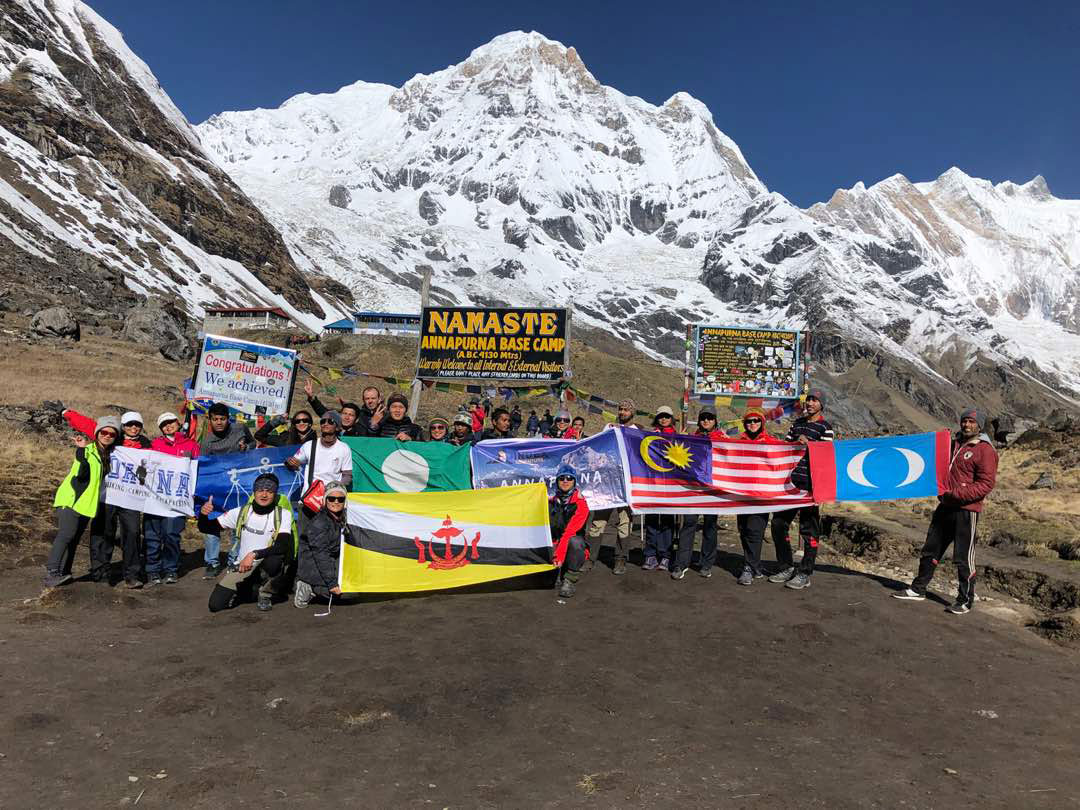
{"x":909,"y":595}
{"x":304,"y":594}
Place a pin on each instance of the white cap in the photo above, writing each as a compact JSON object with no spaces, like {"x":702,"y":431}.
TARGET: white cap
{"x":664,"y":410}
{"x":131,"y":416}
{"x":168,"y":416}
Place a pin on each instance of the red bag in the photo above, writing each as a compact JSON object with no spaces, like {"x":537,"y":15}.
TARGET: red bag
{"x":316,"y":491}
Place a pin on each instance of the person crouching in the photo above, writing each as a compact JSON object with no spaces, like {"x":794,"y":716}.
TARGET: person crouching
{"x":263,"y":532}
{"x":320,"y":548}
{"x":568,"y":513}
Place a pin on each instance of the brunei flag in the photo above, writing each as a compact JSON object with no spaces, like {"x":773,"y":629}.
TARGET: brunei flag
{"x":429,"y":541}
{"x":387,"y":465}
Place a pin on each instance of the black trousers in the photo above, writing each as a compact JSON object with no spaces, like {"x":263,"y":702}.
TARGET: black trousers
{"x":809,"y":531}
{"x":686,"y":540}
{"x":69,"y":528}
{"x":752,"y":536}
{"x":575,"y":558}
{"x":109,"y":521}
{"x":950,"y":525}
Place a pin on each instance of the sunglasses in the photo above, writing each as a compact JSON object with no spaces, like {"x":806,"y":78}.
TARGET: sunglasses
{"x":664,"y":416}
{"x":301,"y":421}
{"x":327,"y":422}
{"x":752,"y":421}
{"x":562,"y":421}
{"x":266,"y":489}
{"x":335,"y":499}
{"x":437,"y":427}
{"x":565,"y":478}
{"x":109,"y":434}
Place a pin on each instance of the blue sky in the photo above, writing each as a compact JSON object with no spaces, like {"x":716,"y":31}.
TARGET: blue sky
{"x":817,"y":96}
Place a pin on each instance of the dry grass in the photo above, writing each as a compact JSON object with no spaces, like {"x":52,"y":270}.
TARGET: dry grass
{"x":30,"y":470}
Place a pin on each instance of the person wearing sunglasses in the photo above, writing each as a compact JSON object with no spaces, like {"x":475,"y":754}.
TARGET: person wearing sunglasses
{"x":161,"y":534}
{"x":560,"y":427}
{"x":320,"y":548}
{"x":660,"y":529}
{"x":567,"y":513}
{"x":78,"y":498}
{"x":332,"y":459}
{"x":706,"y":422}
{"x":752,"y":527}
{"x":301,"y":429}
{"x":810,"y":427}
{"x":263,"y":528}
{"x":438,"y":430}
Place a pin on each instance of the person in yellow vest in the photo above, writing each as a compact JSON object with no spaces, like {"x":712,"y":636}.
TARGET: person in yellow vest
{"x":78,"y":497}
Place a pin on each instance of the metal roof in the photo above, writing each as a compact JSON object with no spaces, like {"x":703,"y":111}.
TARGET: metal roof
{"x":233,"y":310}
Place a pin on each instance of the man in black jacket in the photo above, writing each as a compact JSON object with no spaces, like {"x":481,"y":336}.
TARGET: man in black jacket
{"x":809,"y":428}
{"x":393,"y":422}
{"x":500,"y":426}
{"x":354,"y":419}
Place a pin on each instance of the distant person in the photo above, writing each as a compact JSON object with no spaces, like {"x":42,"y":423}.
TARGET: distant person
{"x":973,"y":466}
{"x":78,"y":498}
{"x":461,"y":431}
{"x":438,"y":430}
{"x":660,"y":529}
{"x":394,"y":421}
{"x":263,"y":530}
{"x":567,"y":514}
{"x":546,"y":423}
{"x":620,"y":514}
{"x":326,"y":459}
{"x":515,"y":420}
{"x":809,"y":428}
{"x":162,"y":534}
{"x":500,"y":426}
{"x":478,"y":414}
{"x":223,"y":436}
{"x":532,"y":426}
{"x":320,"y":548}
{"x":301,"y":429}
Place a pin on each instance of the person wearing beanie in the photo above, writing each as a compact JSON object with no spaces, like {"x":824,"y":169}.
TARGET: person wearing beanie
{"x":438,"y":430}
{"x":263,"y":528}
{"x":973,"y":463}
{"x":619,"y":515}
{"x":320,"y":548}
{"x":223,"y":436}
{"x":79,"y":497}
{"x":752,"y":527}
{"x":325,"y":459}
{"x":395,"y":423}
{"x":461,"y":433}
{"x":706,"y":427}
{"x":660,"y":529}
{"x":162,"y":534}
{"x":567,"y":513}
{"x":111,"y":520}
{"x":811,"y":427}
{"x":354,"y":418}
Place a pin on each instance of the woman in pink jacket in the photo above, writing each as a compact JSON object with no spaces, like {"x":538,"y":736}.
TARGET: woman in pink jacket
{"x":162,"y":534}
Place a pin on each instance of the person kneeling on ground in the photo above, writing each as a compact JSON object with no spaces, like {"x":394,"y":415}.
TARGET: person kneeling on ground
{"x":320,"y":547}
{"x":972,"y":475}
{"x":263,"y":530}
{"x":568,"y":512}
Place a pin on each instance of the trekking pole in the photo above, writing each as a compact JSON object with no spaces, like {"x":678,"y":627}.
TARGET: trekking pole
{"x":328,"y":604}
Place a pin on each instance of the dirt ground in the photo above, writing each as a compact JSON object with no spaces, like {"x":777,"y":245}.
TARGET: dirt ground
{"x":638,"y":692}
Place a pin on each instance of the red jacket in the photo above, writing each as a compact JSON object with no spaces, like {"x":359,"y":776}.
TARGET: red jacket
{"x":478,"y":415}
{"x":84,"y":424}
{"x":972,"y":473}
{"x":762,"y":438}
{"x":179,"y":445}
{"x":572,"y":518}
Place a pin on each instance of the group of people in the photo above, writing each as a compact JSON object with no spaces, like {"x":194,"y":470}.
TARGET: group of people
{"x":275,"y":548}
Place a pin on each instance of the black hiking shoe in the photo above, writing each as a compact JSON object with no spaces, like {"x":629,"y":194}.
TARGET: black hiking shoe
{"x":567,"y":589}
{"x":264,"y":604}
{"x":211,"y":572}
{"x":959,"y":608}
{"x":620,"y":567}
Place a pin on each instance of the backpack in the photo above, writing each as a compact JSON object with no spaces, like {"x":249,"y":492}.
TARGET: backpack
{"x":283,"y":503}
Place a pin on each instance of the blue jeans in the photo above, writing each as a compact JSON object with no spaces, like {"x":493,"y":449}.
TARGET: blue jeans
{"x":162,"y":538}
{"x":212,"y":544}
{"x":659,"y":536}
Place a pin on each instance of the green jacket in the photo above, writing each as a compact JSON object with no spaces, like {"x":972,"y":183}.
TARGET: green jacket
{"x":82,"y":487}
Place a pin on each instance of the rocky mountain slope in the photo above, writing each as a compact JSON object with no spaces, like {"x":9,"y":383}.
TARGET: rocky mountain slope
{"x":518,"y":177}
{"x":106,"y":195}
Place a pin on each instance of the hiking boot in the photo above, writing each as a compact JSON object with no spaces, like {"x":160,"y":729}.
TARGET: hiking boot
{"x":132,"y":584}
{"x":909,"y":595}
{"x":959,"y":608}
{"x":649,"y":564}
{"x":56,"y":580}
{"x":798,"y":582}
{"x":665,"y":564}
{"x":782,"y":576}
{"x":153,"y":579}
{"x":170,"y":579}
{"x":705,"y":571}
{"x":620,"y":567}
{"x":567,"y":589}
{"x":746,"y":577}
{"x":264,"y":604}
{"x":304,"y":594}
{"x":678,"y":573}
{"x":211,"y":572}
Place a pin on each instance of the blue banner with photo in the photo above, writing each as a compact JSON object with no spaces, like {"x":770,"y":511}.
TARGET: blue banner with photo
{"x":596,"y":460}
{"x":229,"y":476}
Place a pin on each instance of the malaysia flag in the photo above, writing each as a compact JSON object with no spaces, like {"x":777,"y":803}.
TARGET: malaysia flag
{"x":723,"y":477}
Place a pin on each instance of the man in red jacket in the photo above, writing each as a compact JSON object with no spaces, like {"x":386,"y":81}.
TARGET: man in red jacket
{"x":972,"y":474}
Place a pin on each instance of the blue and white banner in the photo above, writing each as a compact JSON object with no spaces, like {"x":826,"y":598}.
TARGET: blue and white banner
{"x":250,"y":377}
{"x":596,"y":460}
{"x":880,"y":469}
{"x":228,"y":477}
{"x":151,"y":482}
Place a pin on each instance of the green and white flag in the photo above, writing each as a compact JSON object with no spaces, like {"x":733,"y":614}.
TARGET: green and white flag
{"x":387,"y":465}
